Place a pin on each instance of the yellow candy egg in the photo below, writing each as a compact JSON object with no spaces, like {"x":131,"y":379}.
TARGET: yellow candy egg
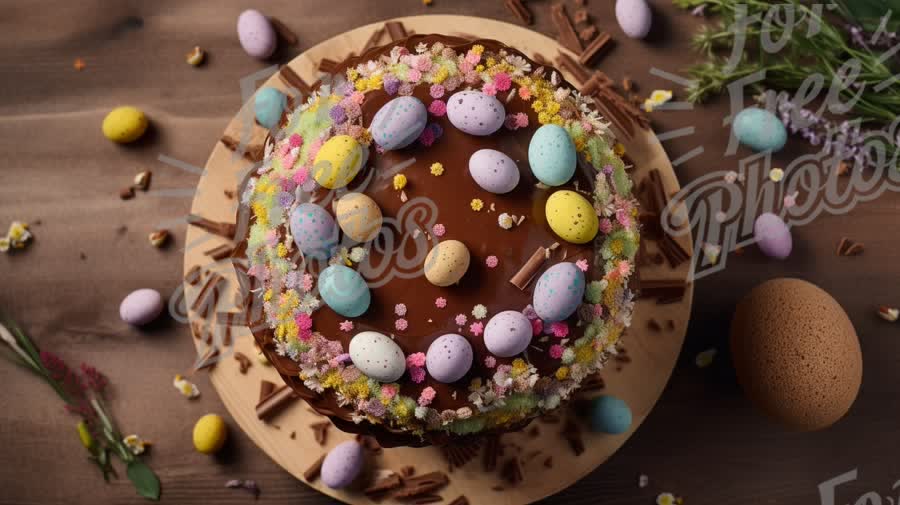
{"x":210,"y":433}
{"x":338,"y":161}
{"x":446,"y":263}
{"x":124,"y":124}
{"x":358,"y":216}
{"x":572,"y":217}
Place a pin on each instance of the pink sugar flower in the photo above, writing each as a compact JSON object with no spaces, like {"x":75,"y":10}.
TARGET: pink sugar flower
{"x":502,"y":81}
{"x":582,"y":265}
{"x":560,"y":329}
{"x":426,"y":397}
{"x":401,"y":324}
{"x":415,"y":360}
{"x":388,"y":391}
{"x":417,"y":374}
{"x":423,"y":62}
{"x":413,"y":75}
{"x":537,"y":326}
{"x":436,"y":91}
{"x":295,"y":141}
{"x":587,"y":126}
{"x":346,"y":325}
{"x":490,"y":361}
{"x":438,"y":230}
{"x":440,"y":302}
{"x":437,"y":108}
{"x":461,"y":319}
{"x":304,"y":321}
{"x":427,"y":137}
{"x":476,"y":328}
{"x":624,"y":268}
{"x":623,"y":218}
{"x":400,"y":309}
{"x":556,"y":351}
{"x":489,"y":89}
{"x":491,"y":261}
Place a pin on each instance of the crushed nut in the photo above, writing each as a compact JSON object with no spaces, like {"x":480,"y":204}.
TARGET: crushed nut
{"x":196,"y":56}
{"x":159,"y":238}
{"x":889,"y":314}
{"x":142,"y":180}
{"x":126,"y":193}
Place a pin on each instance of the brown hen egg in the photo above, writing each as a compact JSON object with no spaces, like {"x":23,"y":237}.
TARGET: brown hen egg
{"x":796,"y":353}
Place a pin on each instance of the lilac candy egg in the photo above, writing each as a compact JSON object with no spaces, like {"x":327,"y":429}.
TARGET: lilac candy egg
{"x":342,"y":464}
{"x":314,"y":230}
{"x":475,"y":113}
{"x":399,"y":123}
{"x":772,"y":236}
{"x":141,"y":307}
{"x":508,"y":333}
{"x":256,"y":34}
{"x":494,"y":171}
{"x":634,"y":17}
{"x":558,"y":292}
{"x":449,"y":358}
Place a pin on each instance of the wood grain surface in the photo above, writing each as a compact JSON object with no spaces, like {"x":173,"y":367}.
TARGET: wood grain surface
{"x":703,"y":441}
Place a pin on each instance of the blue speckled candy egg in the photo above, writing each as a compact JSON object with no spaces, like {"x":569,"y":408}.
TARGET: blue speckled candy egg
{"x":268,"y":104}
{"x":507,"y":333}
{"x":342,"y":464}
{"x":399,"y":123}
{"x":494,"y":171}
{"x":551,"y":154}
{"x":449,"y":358}
{"x":759,"y":130}
{"x":475,"y":113}
{"x":377,"y":356}
{"x":314,"y":230}
{"x":344,"y":290}
{"x":634,"y":17}
{"x":772,"y":236}
{"x":558,"y":292}
{"x":256,"y":34}
{"x":610,"y":415}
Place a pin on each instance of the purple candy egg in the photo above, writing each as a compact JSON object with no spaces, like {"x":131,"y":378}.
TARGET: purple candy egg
{"x":772,"y":236}
{"x":342,"y":464}
{"x":634,"y":17}
{"x":494,"y":171}
{"x":314,"y":230}
{"x":399,"y":123}
{"x":256,"y":34}
{"x":449,"y":358}
{"x":475,"y":113}
{"x":141,"y":307}
{"x":558,"y":292}
{"x":507,"y":333}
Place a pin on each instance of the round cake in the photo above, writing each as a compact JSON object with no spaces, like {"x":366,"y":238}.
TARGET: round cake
{"x":441,"y":241}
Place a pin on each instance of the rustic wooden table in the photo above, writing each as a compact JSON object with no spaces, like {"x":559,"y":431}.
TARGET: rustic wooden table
{"x":703,"y":441}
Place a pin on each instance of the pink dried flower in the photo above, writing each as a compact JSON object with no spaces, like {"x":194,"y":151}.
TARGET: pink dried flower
{"x":476,"y":328}
{"x":413,"y":75}
{"x":598,"y":310}
{"x":93,"y":379}
{"x":623,"y":218}
{"x":295,"y":140}
{"x":624,"y":268}
{"x":510,"y":122}
{"x":491,"y":261}
{"x":307,"y":282}
{"x":502,"y":81}
{"x":438,"y":230}
{"x":560,"y":329}
{"x":489,"y":89}
{"x":537,"y":326}
{"x":427,"y":137}
{"x":437,"y":108}
{"x":472,"y":77}
{"x":358,"y":97}
{"x":582,"y":265}
{"x":490,"y":361}
{"x":417,"y":374}
{"x":473,"y":58}
{"x":426,"y":397}
{"x":440,"y":302}
{"x":605,"y":226}
{"x":346,"y":326}
{"x":556,"y":351}
{"x":401,"y":324}
{"x":388,"y":391}
{"x":461,"y":319}
{"x":304,"y":321}
{"x":400,"y":309}
{"x":300,"y":176}
{"x":415,"y":360}
{"x":524,"y":93}
{"x":436,"y":91}
{"x":521,"y":120}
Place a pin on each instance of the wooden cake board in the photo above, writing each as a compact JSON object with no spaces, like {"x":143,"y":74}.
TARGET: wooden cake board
{"x":652,"y":348}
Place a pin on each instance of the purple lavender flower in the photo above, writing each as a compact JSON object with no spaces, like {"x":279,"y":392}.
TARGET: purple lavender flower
{"x":337,"y":114}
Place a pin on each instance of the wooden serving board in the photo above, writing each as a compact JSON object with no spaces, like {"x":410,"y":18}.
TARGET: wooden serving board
{"x":640,"y":382}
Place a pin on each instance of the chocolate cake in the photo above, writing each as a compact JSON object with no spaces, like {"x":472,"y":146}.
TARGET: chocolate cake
{"x":441,"y":242}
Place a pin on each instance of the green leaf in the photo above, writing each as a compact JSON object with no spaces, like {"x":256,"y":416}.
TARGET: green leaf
{"x":145,"y":481}
{"x":869,"y":13}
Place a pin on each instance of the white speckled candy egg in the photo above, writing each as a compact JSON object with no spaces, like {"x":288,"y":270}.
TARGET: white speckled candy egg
{"x":342,"y":464}
{"x":551,"y":155}
{"x":399,"y":123}
{"x":256,"y":34}
{"x":494,"y":171}
{"x":475,"y":113}
{"x":141,"y":307}
{"x":449,"y":358}
{"x":377,"y":356}
{"x":446,"y":263}
{"x":314,"y":230}
{"x":358,"y":216}
{"x":558,"y":292}
{"x":508,"y":333}
{"x":344,"y":290}
{"x":634,"y":17}
{"x":572,"y":217}
{"x":338,"y":161}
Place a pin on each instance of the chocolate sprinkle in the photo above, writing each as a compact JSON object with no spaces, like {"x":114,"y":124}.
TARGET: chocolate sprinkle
{"x":243,"y":362}
{"x":595,"y":49}
{"x":284,"y":32}
{"x":320,"y":431}
{"x":226,"y":230}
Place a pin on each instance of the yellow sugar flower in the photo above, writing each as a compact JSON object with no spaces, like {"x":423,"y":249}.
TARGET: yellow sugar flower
{"x":477,"y":204}
{"x":478,"y":49}
{"x":399,"y":182}
{"x":437,"y":169}
{"x":537,"y":105}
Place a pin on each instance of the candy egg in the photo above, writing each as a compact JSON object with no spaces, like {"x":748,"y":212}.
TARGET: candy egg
{"x":338,"y":161}
{"x":449,"y":358}
{"x":475,"y":112}
{"x":377,"y":356}
{"x":610,"y":415}
{"x":551,"y":155}
{"x":572,"y":217}
{"x":210,"y":433}
{"x":268,"y":105}
{"x":634,"y":17}
{"x":399,"y":123}
{"x":342,"y":464}
{"x":494,"y":171}
{"x":446,"y":263}
{"x":256,"y":34}
{"x":772,"y":236}
{"x":759,"y":130}
{"x":358,"y":216}
{"x":124,"y":124}
{"x":558,"y":292}
{"x":314,"y":230}
{"x":141,"y":307}
{"x":344,"y":290}
{"x":508,"y":333}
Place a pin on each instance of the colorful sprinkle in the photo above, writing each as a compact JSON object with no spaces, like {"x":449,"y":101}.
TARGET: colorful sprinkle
{"x":477,"y":204}
{"x":776,"y":175}
{"x":440,"y":302}
{"x":582,"y":265}
{"x":416,"y":360}
{"x":437,"y":108}
{"x":346,"y":325}
{"x":705,"y":358}
{"x":491,"y":261}
{"x":490,"y":361}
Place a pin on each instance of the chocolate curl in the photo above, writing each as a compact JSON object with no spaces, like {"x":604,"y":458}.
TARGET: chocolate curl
{"x":327,"y":65}
{"x":292,"y":80}
{"x":208,"y":297}
{"x":221,"y":229}
{"x":266,"y":388}
{"x":511,"y":471}
{"x":275,"y":403}
{"x":312,"y":473}
{"x":192,"y":277}
{"x":381,"y":487}
{"x":396,"y":30}
{"x":320,"y":431}
{"x":571,"y":66}
{"x":243,"y":361}
{"x":462,"y":500}
{"x":491,"y":453}
{"x":519,"y":10}
{"x":595,"y":49}
{"x":421,"y":485}
{"x":374,"y":39}
{"x":567,"y":36}
{"x":523,"y":277}
{"x":220,"y":252}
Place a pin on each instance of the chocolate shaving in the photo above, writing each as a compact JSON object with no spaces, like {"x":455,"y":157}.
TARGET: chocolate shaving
{"x":534,"y":432}
{"x":368,"y":443}
{"x":491,"y":453}
{"x":581,"y":16}
{"x":519,"y":10}
{"x":665,"y":291}
{"x":587,"y":33}
{"x":523,"y":277}
{"x":414,"y":487}
{"x":328,"y":66}
{"x":570,"y":65}
{"x":595,"y":82}
{"x":429,"y":498}
{"x":540,"y":59}
{"x":312,"y":473}
{"x":221,"y":252}
{"x":567,"y":36}
{"x":266,"y":388}
{"x":512,"y":472}
{"x":548,"y":462}
{"x":229,"y":319}
{"x":208,"y":297}
{"x":284,"y":32}
{"x":408,"y":471}
{"x":192,"y":277}
{"x":572,"y":433}
{"x":275,"y":402}
{"x":380,"y":488}
{"x":592,"y":383}
{"x":654,"y":325}
{"x":208,"y":359}
{"x":462,"y":500}
{"x":292,"y":80}
{"x":396,"y":30}
{"x":243,"y":362}
{"x":252,"y":153}
{"x":670,"y":325}
{"x":458,"y":454}
{"x":374,"y":39}
{"x":126,"y":193}
{"x":320,"y":431}
{"x":849,"y":247}
{"x":226,"y":230}
{"x":595,"y":49}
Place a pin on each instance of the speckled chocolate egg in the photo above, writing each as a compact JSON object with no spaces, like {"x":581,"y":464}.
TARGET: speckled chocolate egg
{"x":141,"y":307}
{"x":268,"y":105}
{"x":493,"y":171}
{"x":558,"y":292}
{"x":358,"y":216}
{"x":449,"y":358}
{"x":256,"y":34}
{"x":377,"y":356}
{"x":796,"y":353}
{"x":314,"y":230}
{"x":507,"y":333}
{"x":551,"y":155}
{"x":338,"y":161}
{"x":634,"y":17}
{"x":344,"y":290}
{"x":342,"y":464}
{"x":759,"y":130}
{"x":125,"y":124}
{"x":399,"y":122}
{"x":446,"y":263}
{"x":572,"y":217}
{"x":475,"y":112}
{"x":772,"y":236}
